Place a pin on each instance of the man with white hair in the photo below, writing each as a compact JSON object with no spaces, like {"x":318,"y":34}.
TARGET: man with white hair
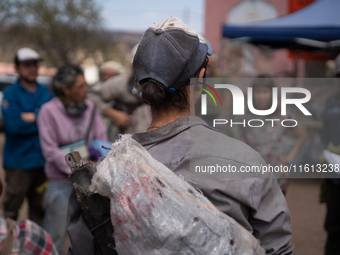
{"x":117,"y":99}
{"x":110,"y":69}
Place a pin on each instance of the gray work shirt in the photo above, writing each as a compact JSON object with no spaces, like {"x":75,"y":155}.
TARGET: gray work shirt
{"x":256,"y":203}
{"x":115,"y":88}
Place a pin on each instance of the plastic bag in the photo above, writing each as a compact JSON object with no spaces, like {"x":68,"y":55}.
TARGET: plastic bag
{"x":154,"y":211}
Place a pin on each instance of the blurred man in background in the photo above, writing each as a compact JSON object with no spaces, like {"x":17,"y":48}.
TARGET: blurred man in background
{"x":23,"y":160}
{"x":110,"y":69}
{"x":117,"y":99}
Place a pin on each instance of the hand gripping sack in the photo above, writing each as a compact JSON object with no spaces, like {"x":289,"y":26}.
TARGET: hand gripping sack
{"x":154,"y":211}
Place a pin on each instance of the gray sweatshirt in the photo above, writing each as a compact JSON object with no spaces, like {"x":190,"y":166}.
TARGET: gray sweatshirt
{"x":255,"y":202}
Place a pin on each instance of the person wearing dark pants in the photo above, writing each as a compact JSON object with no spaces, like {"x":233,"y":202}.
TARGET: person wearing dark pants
{"x":332,"y":222}
{"x":25,"y":183}
{"x":23,"y":160}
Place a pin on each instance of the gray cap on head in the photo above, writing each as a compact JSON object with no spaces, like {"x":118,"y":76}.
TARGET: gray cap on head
{"x":171,"y":53}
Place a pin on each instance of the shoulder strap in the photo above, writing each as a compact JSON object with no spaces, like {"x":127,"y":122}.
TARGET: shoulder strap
{"x":8,"y":242}
{"x":87,"y":134}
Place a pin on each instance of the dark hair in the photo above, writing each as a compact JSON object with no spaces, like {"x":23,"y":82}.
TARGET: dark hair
{"x":157,"y":97}
{"x":66,"y":76}
{"x":16,"y":60}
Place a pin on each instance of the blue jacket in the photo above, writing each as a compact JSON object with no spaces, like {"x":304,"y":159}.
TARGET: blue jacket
{"x":22,"y":148}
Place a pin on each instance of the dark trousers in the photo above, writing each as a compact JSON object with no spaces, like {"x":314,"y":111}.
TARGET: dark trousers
{"x":21,"y":184}
{"x":332,"y":223}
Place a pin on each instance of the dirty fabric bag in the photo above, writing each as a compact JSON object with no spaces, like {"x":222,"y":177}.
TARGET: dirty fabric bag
{"x":154,"y":211}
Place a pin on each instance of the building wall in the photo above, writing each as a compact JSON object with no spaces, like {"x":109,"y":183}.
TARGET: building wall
{"x":216,"y":12}
{"x":274,"y":62}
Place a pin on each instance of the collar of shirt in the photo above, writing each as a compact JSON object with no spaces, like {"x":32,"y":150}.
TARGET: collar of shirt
{"x":33,"y":91}
{"x":169,"y":130}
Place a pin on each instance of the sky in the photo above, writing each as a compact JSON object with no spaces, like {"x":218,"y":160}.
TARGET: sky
{"x":138,"y":15}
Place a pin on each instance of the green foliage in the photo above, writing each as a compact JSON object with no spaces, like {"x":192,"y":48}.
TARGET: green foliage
{"x":60,"y":30}
{"x":5,"y":11}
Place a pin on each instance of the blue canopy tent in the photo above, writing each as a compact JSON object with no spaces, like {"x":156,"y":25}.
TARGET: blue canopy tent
{"x":316,"y":27}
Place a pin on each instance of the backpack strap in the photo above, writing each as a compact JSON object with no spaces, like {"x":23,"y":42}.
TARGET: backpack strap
{"x":87,"y":134}
{"x":8,"y":242}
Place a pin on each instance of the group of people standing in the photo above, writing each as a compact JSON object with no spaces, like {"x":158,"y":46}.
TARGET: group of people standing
{"x":36,"y":126}
{"x":41,"y":120}
{"x":39,"y":125}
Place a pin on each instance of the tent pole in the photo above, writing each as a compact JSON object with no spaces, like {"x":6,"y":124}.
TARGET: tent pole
{"x":296,"y":65}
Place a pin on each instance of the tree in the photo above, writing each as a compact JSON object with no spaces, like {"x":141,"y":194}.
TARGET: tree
{"x":5,"y":11}
{"x":61,"y":30}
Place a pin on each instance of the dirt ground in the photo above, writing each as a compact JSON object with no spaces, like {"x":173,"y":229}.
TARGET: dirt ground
{"x":307,"y":214}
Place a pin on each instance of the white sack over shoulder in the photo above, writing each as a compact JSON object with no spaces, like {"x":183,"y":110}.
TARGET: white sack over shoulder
{"x":154,"y":211}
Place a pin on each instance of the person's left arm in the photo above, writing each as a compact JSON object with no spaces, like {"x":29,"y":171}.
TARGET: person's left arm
{"x":16,"y":121}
